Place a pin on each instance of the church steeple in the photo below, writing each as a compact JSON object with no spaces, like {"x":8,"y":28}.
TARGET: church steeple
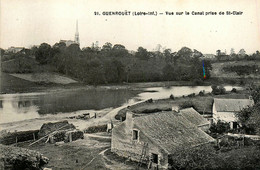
{"x":77,"y":34}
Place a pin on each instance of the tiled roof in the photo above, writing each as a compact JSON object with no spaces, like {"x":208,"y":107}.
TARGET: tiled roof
{"x":193,"y":116}
{"x":171,"y":131}
{"x":232,"y":105}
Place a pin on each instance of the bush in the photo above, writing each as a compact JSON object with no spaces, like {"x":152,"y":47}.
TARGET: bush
{"x":219,"y":127}
{"x":172,"y":96}
{"x":186,"y":104}
{"x":218,"y":90}
{"x":149,"y":101}
{"x":202,"y":93}
{"x":234,"y":90}
{"x":191,"y":95}
{"x":95,"y":129}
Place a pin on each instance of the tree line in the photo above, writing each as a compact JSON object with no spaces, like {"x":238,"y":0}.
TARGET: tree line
{"x":115,"y":64}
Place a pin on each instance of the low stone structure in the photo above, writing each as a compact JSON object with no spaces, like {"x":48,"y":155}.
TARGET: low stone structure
{"x":66,"y":136}
{"x":73,"y":135}
{"x":21,"y":158}
{"x":15,"y":137}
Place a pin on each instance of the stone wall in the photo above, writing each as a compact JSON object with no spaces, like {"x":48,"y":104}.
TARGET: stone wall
{"x":14,"y":137}
{"x":124,"y":146}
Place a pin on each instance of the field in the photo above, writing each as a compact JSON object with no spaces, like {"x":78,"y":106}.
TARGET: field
{"x":45,"y":77}
{"x":217,"y":69}
{"x":92,"y":152}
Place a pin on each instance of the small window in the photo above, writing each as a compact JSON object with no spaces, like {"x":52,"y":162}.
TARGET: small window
{"x":235,"y":125}
{"x":155,"y":158}
{"x":135,"y":135}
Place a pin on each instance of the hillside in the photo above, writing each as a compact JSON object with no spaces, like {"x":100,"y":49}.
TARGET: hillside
{"x":218,"y":69}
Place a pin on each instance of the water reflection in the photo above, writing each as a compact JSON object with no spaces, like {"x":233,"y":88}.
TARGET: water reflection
{"x":177,"y":91}
{"x":15,"y":107}
{"x":33,"y":105}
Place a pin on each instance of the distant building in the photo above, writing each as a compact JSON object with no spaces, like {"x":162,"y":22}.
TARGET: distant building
{"x":14,"y":49}
{"x":209,"y":56}
{"x":76,"y":39}
{"x":154,"y":138}
{"x":68,"y":42}
{"x":225,"y":110}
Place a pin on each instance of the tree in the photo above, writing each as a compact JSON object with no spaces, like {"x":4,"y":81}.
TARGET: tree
{"x":249,"y":118}
{"x":255,"y":93}
{"x":107,"y":47}
{"x":2,"y":51}
{"x":185,"y":54}
{"x":142,"y":53}
{"x":242,"y":52}
{"x":168,"y":55}
{"x":218,"y":90}
{"x":118,"y":47}
{"x":119,"y":51}
{"x":218,"y":52}
{"x":168,"y":72}
{"x":43,"y":53}
{"x":232,"y":51}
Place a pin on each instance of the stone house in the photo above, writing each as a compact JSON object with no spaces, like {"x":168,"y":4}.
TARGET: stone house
{"x":225,"y":110}
{"x":153,"y":138}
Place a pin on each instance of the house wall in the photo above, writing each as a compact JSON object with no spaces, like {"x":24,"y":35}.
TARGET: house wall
{"x":214,"y":112}
{"x":228,"y":117}
{"x":123,"y":145}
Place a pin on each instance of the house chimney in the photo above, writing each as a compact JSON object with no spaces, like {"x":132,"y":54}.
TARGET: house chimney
{"x":129,"y":121}
{"x":175,"y":108}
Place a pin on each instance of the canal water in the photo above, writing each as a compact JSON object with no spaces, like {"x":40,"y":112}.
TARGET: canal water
{"x":16,"y":107}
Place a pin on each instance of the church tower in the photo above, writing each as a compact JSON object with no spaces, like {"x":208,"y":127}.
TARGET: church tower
{"x":77,"y":34}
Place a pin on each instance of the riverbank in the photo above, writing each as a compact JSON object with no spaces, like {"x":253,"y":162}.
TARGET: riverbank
{"x":11,"y":84}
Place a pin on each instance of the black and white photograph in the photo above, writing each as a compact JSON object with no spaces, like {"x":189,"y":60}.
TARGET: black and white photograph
{"x":129,"y":84}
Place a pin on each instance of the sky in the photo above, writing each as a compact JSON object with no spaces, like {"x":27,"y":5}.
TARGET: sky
{"x":25,"y":23}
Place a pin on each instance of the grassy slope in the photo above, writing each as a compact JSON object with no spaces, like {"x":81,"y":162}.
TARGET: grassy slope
{"x":217,"y":68}
{"x":10,"y":84}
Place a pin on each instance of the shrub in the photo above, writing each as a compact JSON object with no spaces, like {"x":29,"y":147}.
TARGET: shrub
{"x":95,"y":129}
{"x":234,"y":90}
{"x":149,"y":101}
{"x":218,"y":90}
{"x":219,"y":127}
{"x":186,"y":104}
{"x":202,"y":93}
{"x":172,"y":96}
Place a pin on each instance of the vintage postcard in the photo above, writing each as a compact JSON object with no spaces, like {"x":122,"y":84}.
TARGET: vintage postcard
{"x":140,"y":84}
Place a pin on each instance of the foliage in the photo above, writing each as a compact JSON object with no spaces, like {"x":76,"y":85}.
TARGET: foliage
{"x":206,"y":157}
{"x":255,"y":93}
{"x":114,"y":64}
{"x":249,"y":118}
{"x":242,"y":69}
{"x":193,"y":158}
{"x":217,"y":90}
{"x":142,"y":54}
{"x":234,"y":90}
{"x":172,"y":97}
{"x":43,"y":53}
{"x":219,"y":127}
